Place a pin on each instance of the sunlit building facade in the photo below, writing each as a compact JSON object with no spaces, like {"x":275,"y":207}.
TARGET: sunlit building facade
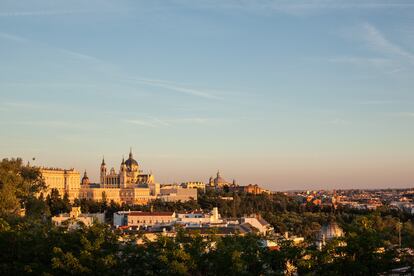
{"x":65,"y":181}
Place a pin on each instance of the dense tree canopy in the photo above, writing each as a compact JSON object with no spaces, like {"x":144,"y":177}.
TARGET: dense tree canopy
{"x":19,"y":185}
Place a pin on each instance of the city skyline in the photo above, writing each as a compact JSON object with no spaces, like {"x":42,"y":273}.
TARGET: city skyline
{"x":287,"y":95}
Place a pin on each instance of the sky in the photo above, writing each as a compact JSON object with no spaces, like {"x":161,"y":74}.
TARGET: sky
{"x":284,"y":94}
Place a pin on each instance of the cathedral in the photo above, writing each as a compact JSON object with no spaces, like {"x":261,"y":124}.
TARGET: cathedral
{"x":219,"y":183}
{"x":129,"y":185}
{"x":129,"y":175}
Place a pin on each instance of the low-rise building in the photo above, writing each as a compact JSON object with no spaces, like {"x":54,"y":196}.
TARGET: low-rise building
{"x":135,"y":219}
{"x":75,"y":218}
{"x":199,"y":217}
{"x":253,"y":189}
{"x":194,"y":185}
{"x":204,"y":223}
{"x":177,"y":194}
{"x":258,"y":222}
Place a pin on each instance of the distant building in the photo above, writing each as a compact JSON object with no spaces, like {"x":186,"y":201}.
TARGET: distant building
{"x":75,"y":218}
{"x":220,"y":183}
{"x":253,"y":189}
{"x":129,"y":175}
{"x":204,"y":223}
{"x":258,"y":222}
{"x":130,"y":185}
{"x":119,"y":195}
{"x":85,"y":180}
{"x":194,"y":185}
{"x":65,"y":181}
{"x":199,"y":217}
{"x":143,"y":219}
{"x":177,"y":194}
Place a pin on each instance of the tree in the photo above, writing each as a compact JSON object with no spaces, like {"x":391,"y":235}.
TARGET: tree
{"x":56,"y":204}
{"x":18,"y":185}
{"x":37,"y":208}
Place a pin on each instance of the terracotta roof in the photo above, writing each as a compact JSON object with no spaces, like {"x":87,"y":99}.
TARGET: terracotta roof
{"x":150,"y":214}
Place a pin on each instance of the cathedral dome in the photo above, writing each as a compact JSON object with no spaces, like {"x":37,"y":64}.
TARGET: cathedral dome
{"x":131,"y":163}
{"x":85,"y":179}
{"x":220,"y":181}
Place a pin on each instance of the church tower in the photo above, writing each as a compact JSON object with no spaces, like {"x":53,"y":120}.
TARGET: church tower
{"x":123,"y":174}
{"x":132,"y":168}
{"x":85,"y":179}
{"x":103,"y":172}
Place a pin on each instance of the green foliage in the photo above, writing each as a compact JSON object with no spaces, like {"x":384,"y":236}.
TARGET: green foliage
{"x":19,"y":184}
{"x":57,"y":204}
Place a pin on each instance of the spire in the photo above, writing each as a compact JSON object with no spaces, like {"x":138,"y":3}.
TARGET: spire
{"x":130,"y":153}
{"x":218,"y":173}
{"x":85,"y":174}
{"x":123,"y":160}
{"x":103,"y":161}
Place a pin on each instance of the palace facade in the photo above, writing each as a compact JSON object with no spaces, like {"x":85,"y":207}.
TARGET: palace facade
{"x":65,"y":181}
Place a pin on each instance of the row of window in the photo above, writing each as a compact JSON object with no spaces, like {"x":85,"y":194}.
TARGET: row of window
{"x":149,"y":222}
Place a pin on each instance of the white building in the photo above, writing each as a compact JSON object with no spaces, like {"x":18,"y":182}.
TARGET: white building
{"x":75,"y":218}
{"x":143,"y":219}
{"x":199,"y":218}
{"x":258,"y":222}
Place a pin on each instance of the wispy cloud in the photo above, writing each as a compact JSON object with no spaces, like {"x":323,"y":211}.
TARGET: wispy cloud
{"x":362,"y":61}
{"x":48,"y":124}
{"x":377,"y":41}
{"x":157,"y":122}
{"x":41,"y":13}
{"x":299,"y":7}
{"x":21,"y":105}
{"x":78,"y":55}
{"x":145,"y":123}
{"x":387,"y":55}
{"x":117,"y":74}
{"x":177,"y":87}
{"x":69,"y":53}
{"x":377,"y":102}
{"x":339,"y":122}
{"x":12,"y":37}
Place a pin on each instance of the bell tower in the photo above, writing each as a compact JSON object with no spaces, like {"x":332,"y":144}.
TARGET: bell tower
{"x":103,"y":172}
{"x":123,"y":174}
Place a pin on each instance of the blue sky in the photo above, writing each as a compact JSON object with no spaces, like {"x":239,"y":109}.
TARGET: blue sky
{"x":285,"y":94}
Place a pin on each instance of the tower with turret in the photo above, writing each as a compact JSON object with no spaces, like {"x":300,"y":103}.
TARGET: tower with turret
{"x":103,"y":172}
{"x":85,"y":179}
{"x":123,"y":174}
